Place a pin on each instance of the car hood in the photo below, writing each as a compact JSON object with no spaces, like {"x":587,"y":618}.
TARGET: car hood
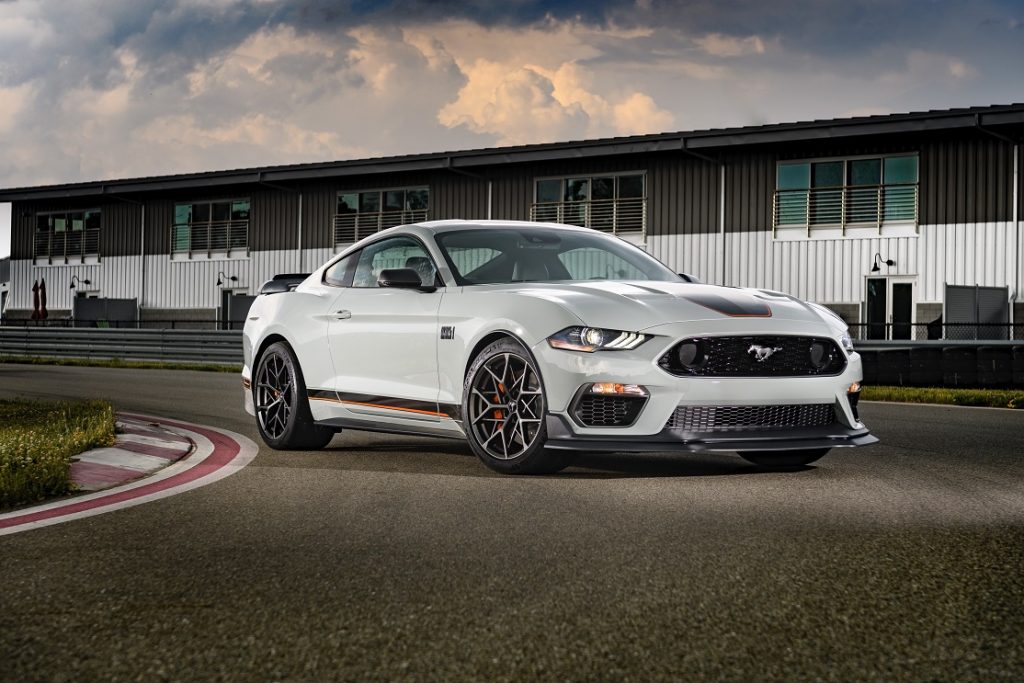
{"x":640,"y":305}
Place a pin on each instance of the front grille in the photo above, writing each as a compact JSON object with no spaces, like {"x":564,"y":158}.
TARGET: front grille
{"x":608,"y":411}
{"x":744,"y":418}
{"x":780,"y":356}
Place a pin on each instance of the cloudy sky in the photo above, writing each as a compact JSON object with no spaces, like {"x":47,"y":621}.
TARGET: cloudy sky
{"x":92,"y":90}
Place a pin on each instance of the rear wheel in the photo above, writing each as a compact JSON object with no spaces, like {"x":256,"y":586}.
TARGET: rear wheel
{"x":783,"y":459}
{"x":282,"y":409}
{"x":505,"y":407}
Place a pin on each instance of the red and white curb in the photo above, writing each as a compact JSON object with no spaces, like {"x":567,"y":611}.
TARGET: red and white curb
{"x":142,"y":447}
{"x":218,"y":453}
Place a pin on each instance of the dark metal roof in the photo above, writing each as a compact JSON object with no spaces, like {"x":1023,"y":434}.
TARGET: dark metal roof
{"x":699,"y":142}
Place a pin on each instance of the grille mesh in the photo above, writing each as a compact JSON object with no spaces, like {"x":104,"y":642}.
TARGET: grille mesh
{"x":744,"y":418}
{"x":608,"y":411}
{"x":737,"y":357}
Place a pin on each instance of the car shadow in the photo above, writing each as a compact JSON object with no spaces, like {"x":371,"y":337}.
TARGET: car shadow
{"x":453,"y":458}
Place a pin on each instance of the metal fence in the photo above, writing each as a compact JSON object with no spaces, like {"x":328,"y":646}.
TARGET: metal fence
{"x":195,"y":346}
{"x":183,"y":324}
{"x":938,"y":330}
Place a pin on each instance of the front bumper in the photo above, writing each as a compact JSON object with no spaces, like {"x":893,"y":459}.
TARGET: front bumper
{"x":565,"y":372}
{"x":561,"y":436}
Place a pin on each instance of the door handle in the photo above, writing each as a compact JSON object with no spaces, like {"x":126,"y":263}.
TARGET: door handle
{"x":343,"y":315}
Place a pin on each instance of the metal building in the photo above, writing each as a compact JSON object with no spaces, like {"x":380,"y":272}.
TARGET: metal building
{"x":893,"y":221}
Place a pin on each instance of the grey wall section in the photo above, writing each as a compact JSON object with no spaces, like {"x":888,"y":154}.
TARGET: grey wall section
{"x":749,"y":184}
{"x":966,"y":180}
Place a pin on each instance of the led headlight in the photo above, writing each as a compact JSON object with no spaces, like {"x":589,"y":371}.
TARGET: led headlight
{"x":847,"y":342}
{"x":590,"y":339}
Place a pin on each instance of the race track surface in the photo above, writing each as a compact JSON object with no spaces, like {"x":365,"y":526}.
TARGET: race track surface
{"x":404,"y":558}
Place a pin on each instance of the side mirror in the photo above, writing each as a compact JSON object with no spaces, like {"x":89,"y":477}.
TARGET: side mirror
{"x":402,"y":278}
{"x":688,"y":278}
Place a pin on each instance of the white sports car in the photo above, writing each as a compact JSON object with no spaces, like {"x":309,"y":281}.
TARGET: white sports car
{"x":537,"y":341}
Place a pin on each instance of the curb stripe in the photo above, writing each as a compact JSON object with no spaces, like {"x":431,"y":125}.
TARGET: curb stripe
{"x":219,"y":453}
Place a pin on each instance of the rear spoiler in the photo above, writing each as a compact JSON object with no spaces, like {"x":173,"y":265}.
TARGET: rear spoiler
{"x":283,"y":283}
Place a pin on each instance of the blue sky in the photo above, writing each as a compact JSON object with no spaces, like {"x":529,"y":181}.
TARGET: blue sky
{"x":93,"y":90}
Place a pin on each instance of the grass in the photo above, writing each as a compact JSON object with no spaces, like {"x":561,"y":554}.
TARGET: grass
{"x":38,"y":440}
{"x":986,"y":398}
{"x":118,"y":363}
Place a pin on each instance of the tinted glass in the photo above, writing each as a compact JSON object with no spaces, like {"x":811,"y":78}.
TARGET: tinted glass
{"x":182,"y":213}
{"x":900,"y":170}
{"x":549,"y":190}
{"x":335,"y":275}
{"x":200,"y":213}
{"x":866,"y":172}
{"x":240,"y":211}
{"x":348,"y":202}
{"x":546,"y":254}
{"x":631,"y":186}
{"x":394,"y":200}
{"x":92,"y":220}
{"x":369,"y":202}
{"x":222,"y":211}
{"x":576,"y":190}
{"x":794,"y":176}
{"x":417,"y":200}
{"x":397,"y":252}
{"x":603,"y":188}
{"x":77,"y":221}
{"x":827,"y":174}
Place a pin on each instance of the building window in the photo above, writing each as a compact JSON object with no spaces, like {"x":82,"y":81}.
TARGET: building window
{"x":359,"y":214}
{"x":211,"y":226}
{"x":846,"y":197}
{"x":612,"y":203}
{"x":67,"y":234}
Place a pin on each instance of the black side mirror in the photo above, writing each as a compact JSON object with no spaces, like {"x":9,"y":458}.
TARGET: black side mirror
{"x":402,"y":278}
{"x":688,"y":278}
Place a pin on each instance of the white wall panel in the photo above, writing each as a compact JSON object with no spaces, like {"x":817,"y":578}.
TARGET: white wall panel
{"x":698,"y":255}
{"x":116,"y":277}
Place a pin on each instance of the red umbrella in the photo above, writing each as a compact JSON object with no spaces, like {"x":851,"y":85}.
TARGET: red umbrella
{"x":42,"y":300}
{"x":35,"y":300}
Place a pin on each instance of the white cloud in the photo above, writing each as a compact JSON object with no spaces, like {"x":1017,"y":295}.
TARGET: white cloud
{"x":720,"y":45}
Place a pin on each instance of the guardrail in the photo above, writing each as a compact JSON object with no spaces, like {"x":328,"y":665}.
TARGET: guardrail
{"x":189,"y":346}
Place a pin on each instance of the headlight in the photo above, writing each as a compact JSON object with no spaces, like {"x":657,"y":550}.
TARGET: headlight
{"x":592,"y":339}
{"x":847,"y":342}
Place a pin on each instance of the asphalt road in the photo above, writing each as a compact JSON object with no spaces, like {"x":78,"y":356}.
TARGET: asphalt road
{"x":403,"y":558}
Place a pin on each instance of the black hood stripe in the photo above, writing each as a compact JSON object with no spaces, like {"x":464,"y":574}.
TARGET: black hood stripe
{"x":738,"y":306}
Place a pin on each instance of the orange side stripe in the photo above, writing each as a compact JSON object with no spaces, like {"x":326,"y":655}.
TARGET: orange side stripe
{"x":406,"y":410}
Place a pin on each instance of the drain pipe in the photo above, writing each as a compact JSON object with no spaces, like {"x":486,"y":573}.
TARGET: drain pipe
{"x":721,"y":219}
{"x":1015,"y":212}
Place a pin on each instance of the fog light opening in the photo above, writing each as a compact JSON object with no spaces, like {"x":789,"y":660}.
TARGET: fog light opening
{"x":853,"y":396}
{"x":617,"y":389}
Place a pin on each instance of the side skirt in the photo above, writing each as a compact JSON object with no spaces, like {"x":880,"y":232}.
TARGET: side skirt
{"x":421,"y":429}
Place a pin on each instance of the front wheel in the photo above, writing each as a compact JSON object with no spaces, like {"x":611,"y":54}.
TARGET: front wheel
{"x":282,"y":409}
{"x":504,"y":409}
{"x":783,"y":459}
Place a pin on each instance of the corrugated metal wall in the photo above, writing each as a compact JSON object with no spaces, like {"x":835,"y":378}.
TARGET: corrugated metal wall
{"x":966,"y":180}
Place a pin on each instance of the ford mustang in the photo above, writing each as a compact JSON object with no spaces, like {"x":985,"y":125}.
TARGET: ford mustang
{"x":535,"y":342}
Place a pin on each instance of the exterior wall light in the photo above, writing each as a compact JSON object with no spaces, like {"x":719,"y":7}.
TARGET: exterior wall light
{"x":878,"y":257}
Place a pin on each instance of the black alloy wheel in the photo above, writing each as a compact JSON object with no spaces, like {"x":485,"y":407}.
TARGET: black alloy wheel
{"x":282,"y":409}
{"x":505,"y":408}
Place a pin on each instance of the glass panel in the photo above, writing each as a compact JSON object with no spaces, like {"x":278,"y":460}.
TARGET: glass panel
{"x":179,"y":237}
{"x":335,"y":275}
{"x":876,"y":312}
{"x":794,"y":176}
{"x":468,"y":259}
{"x":221,"y":211}
{"x":631,"y":186}
{"x":576,"y":190}
{"x":182,"y":213}
{"x":200,"y":213}
{"x":827,"y":174}
{"x":865,"y":172}
{"x":369,"y":202}
{"x":417,"y":200}
{"x":44,"y":223}
{"x":348,"y":202}
{"x":597,"y":264}
{"x":76,"y":222}
{"x":900,"y":202}
{"x":604,"y":188}
{"x":549,"y":191}
{"x":902,"y":309}
{"x":60,"y":223}
{"x":92,"y":220}
{"x":400,"y":252}
{"x":900,"y":170}
{"x":240,"y":211}
{"x":394,"y":200}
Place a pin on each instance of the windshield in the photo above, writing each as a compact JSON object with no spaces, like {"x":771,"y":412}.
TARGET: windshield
{"x":482,"y":256}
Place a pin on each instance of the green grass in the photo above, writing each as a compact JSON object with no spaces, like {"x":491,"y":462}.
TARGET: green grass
{"x":987,"y":398}
{"x":38,"y":440}
{"x":117,"y":363}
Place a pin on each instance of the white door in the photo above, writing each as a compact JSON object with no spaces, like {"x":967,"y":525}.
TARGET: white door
{"x":384,"y":340}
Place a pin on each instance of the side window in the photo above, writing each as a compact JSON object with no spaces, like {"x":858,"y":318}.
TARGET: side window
{"x":397,"y":252}
{"x":596,"y":264}
{"x":335,"y":275}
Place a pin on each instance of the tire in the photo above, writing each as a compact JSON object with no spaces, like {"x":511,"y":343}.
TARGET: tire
{"x":501,"y":387}
{"x":784,"y":459}
{"x":282,"y":408}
